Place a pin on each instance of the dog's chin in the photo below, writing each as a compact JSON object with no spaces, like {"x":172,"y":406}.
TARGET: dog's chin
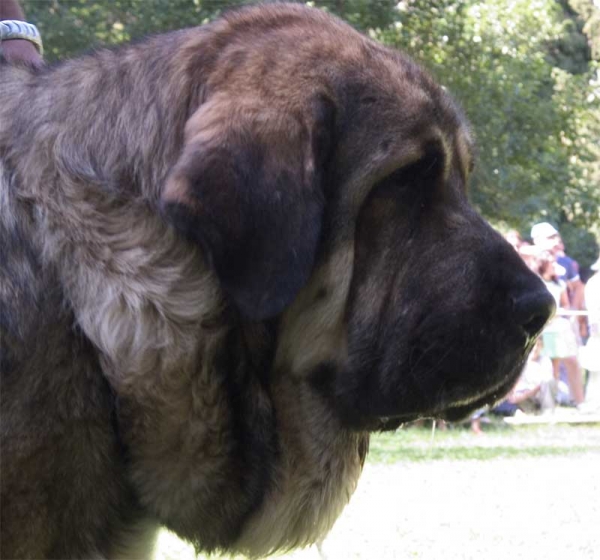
{"x":462,"y":411}
{"x":456,"y":409}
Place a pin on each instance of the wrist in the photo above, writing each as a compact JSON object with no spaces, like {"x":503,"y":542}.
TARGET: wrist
{"x":15,"y":30}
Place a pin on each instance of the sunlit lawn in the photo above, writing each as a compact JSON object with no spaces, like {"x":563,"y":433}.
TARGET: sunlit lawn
{"x":528,"y":492}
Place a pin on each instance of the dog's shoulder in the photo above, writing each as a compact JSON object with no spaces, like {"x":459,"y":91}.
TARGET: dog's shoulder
{"x":22,"y":276}
{"x":56,"y":405}
{"x":37,"y":325}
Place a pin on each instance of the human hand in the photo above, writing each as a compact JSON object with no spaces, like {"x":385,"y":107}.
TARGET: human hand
{"x":20,"y":50}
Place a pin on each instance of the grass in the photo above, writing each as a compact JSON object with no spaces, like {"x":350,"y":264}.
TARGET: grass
{"x":513,"y":492}
{"x":499,"y":441}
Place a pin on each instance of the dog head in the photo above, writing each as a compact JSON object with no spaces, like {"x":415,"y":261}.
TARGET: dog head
{"x":325,"y":176}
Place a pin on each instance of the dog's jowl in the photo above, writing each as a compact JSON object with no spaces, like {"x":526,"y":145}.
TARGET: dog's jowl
{"x":229,"y":253}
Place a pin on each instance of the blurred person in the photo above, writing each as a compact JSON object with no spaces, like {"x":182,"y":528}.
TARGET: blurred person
{"x":18,"y":44}
{"x":592,"y":299}
{"x":476,"y":419}
{"x":547,"y":238}
{"x":590,"y":353}
{"x":537,"y":387}
{"x":575,"y":285}
{"x":559,"y":341}
{"x":530,"y":254}
{"x":544,"y":236}
{"x":514,"y":238}
{"x":536,"y":390}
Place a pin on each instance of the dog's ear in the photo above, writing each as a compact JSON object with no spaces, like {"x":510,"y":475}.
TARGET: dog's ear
{"x":247,"y":187}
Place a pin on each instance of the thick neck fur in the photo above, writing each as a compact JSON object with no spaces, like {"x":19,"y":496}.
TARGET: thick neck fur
{"x":89,"y":159}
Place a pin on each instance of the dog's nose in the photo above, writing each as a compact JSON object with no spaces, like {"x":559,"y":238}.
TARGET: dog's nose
{"x":533,"y":309}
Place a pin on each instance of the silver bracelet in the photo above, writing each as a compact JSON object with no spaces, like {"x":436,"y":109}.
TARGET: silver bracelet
{"x":15,"y":29}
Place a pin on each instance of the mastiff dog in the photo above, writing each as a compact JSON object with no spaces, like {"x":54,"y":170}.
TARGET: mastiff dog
{"x":228,"y":254}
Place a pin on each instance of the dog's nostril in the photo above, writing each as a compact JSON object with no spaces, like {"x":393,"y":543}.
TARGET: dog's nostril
{"x":535,"y":325}
{"x":532,"y":310}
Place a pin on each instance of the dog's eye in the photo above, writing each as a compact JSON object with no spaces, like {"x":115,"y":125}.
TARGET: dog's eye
{"x":368,"y":100}
{"x":397,"y":178}
{"x":393,"y":185}
{"x":419,"y":177}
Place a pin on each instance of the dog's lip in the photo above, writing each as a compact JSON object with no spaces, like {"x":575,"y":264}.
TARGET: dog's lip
{"x":452,"y":412}
{"x":389,"y":424}
{"x":462,"y":410}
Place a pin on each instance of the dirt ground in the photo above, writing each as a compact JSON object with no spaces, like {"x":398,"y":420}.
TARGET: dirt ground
{"x":514,"y":508}
{"x":528,"y":508}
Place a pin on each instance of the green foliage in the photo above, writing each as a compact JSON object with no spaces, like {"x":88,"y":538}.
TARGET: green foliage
{"x":571,"y":51}
{"x":69,"y":27}
{"x":524,"y":71}
{"x":587,"y":12}
{"x":361,"y":14}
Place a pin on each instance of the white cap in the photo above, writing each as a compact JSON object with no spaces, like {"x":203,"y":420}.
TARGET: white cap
{"x":543,"y":230}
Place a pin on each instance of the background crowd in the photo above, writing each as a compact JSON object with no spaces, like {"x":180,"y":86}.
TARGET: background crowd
{"x":563,"y":366}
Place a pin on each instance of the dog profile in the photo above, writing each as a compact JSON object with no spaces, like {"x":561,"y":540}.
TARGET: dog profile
{"x":228,"y":254}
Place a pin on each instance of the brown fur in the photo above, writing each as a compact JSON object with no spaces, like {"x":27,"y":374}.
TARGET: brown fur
{"x":221,"y":376}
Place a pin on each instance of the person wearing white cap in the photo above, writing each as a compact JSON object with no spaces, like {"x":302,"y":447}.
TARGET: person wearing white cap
{"x":543,"y":235}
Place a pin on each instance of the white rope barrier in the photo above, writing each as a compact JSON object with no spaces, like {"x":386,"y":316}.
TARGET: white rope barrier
{"x":571,"y":313}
